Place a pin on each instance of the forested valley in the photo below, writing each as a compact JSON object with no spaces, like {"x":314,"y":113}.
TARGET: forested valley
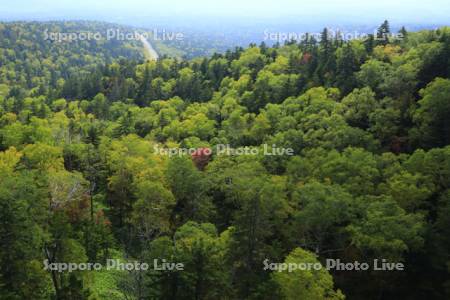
{"x":81,"y":179}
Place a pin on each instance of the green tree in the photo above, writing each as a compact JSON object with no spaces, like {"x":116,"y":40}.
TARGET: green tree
{"x":189,"y":187}
{"x":306,"y":284}
{"x":386,"y":230}
{"x":203,"y":253}
{"x":358,"y":106}
{"x":321,"y":213}
{"x":431,"y":117}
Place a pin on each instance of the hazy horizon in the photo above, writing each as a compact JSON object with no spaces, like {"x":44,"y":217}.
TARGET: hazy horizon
{"x":140,"y":12}
{"x":237,"y":23}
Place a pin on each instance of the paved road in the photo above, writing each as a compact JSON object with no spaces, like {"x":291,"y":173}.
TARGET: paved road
{"x":151,"y":52}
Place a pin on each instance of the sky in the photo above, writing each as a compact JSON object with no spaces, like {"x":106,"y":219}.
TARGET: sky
{"x":129,"y":11}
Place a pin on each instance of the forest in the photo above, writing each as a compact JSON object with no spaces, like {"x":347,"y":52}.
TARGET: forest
{"x":81,"y":179}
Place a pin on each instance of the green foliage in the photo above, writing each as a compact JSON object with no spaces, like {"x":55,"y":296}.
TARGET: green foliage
{"x":205,"y":274}
{"x":386,"y":230}
{"x":22,"y":214}
{"x":321,"y":212}
{"x":306,"y":284}
{"x":432,"y":115}
{"x":84,"y":176}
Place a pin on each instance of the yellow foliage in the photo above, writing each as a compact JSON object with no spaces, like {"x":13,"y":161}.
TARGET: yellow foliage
{"x":9,"y":159}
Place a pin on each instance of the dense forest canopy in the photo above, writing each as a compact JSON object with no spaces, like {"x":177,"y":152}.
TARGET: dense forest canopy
{"x":81,"y":179}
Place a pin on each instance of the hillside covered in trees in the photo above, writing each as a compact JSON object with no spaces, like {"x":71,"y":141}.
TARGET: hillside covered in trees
{"x":82,"y":178}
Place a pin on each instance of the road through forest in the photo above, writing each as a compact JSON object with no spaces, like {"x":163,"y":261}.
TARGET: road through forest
{"x":150,"y":51}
